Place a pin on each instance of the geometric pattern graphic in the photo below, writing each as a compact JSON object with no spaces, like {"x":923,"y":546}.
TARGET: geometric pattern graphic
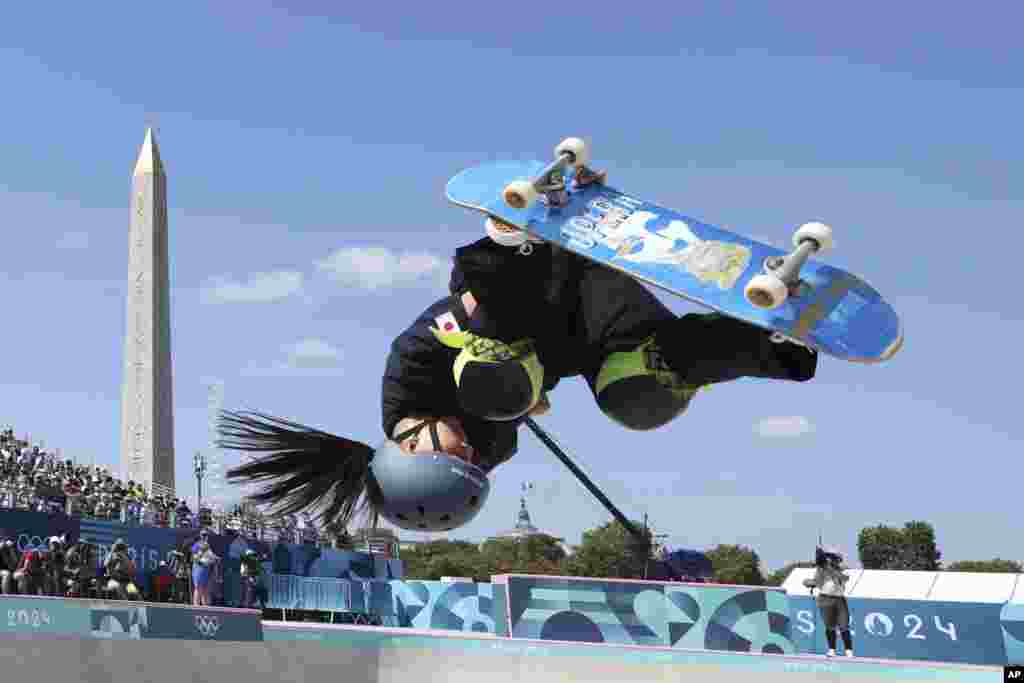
{"x":737,"y":619}
{"x":1012,"y":622}
{"x":450,"y":606}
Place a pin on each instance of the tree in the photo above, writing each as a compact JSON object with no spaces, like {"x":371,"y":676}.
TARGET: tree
{"x":609,"y":551}
{"x":431,"y":561}
{"x":910,"y":548}
{"x":736,"y":564}
{"x":777,"y":578}
{"x":996,"y":566}
{"x":537,"y":554}
{"x":920,"y":550}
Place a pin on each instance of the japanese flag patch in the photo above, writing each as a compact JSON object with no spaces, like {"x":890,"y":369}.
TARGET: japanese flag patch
{"x":446,"y":323}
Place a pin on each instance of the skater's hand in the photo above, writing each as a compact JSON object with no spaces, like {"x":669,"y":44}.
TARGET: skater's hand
{"x":542,"y":407}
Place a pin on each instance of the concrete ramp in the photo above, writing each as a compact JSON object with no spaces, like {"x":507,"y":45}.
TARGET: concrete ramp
{"x":355,"y":654}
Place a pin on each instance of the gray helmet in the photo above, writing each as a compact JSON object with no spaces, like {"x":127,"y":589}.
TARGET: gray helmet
{"x":429,"y":491}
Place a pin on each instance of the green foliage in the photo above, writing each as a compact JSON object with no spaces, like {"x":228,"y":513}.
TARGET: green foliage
{"x":996,"y":566}
{"x":736,"y":564}
{"x":911,"y":548}
{"x":531,"y":555}
{"x":609,"y":551}
{"x":778,"y":577}
{"x":431,"y":561}
{"x":920,"y":550}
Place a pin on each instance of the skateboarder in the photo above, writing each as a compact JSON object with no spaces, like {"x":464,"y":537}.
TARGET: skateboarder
{"x":521,"y":317}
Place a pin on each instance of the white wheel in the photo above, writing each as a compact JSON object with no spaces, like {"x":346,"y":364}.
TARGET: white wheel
{"x":520,"y":194}
{"x":819,"y":232}
{"x":577,"y":148}
{"x":504,"y":234}
{"x":766,"y":291}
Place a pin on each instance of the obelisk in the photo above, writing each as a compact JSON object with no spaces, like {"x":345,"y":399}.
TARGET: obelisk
{"x":147,"y":415}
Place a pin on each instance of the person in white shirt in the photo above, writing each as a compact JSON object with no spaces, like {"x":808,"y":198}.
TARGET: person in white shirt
{"x":830,"y":580}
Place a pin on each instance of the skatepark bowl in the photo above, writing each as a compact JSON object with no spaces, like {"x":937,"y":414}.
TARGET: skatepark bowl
{"x":62,"y":640}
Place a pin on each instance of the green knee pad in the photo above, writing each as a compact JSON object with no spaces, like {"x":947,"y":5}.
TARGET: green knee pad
{"x":637,"y":389}
{"x":496,"y":380}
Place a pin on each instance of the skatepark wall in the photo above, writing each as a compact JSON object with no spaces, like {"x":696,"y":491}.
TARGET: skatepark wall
{"x":938,"y":616}
{"x":976,"y":618}
{"x":932,"y":616}
{"x":53,"y":639}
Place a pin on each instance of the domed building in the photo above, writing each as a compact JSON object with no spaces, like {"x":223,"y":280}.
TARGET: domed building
{"x":524,"y":527}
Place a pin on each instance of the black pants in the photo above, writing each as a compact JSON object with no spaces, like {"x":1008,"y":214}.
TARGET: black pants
{"x":835,"y":613}
{"x":606,"y":311}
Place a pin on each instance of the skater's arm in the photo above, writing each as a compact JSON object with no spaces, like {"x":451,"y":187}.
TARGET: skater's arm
{"x":499,"y":286}
{"x":418,"y":377}
{"x":493,"y":442}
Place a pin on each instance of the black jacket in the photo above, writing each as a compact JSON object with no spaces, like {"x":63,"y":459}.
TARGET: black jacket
{"x":519,"y":296}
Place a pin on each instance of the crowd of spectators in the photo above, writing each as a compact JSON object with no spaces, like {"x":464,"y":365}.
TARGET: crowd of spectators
{"x":34,"y":479}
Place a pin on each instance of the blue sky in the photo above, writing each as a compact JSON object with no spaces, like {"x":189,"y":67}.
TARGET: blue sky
{"x":307,"y":153}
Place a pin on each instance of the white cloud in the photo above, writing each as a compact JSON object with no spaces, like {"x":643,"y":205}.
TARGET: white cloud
{"x":787,"y":427}
{"x":260,"y":288}
{"x":379,"y":267}
{"x":309,"y":357}
{"x":312,"y":353}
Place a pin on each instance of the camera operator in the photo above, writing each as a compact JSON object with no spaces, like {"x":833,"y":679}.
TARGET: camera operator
{"x":252,"y":588}
{"x":8,"y":565}
{"x":120,"y":571}
{"x":179,"y":566}
{"x":30,"y":576}
{"x":55,"y":561}
{"x":830,"y":580}
{"x":80,"y":568}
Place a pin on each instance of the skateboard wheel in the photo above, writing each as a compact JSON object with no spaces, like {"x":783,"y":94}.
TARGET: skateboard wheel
{"x":576,"y":148}
{"x":766,"y":291}
{"x":819,"y":232}
{"x":520,"y":194}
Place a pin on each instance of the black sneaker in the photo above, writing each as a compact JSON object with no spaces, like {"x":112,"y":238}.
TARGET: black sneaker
{"x":710,"y":348}
{"x":799,"y":360}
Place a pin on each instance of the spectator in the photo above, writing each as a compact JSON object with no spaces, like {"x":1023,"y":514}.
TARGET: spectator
{"x":179,"y":567}
{"x":120,"y":572}
{"x":54,"y":567}
{"x":162,"y":583}
{"x":203,"y":560}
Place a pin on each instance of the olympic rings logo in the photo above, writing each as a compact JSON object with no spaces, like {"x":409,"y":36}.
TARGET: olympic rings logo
{"x":207,"y":625}
{"x":26,"y":543}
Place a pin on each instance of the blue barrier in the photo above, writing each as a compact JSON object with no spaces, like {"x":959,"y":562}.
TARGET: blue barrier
{"x":962,"y":632}
{"x":310,"y":593}
{"x":25,"y":617}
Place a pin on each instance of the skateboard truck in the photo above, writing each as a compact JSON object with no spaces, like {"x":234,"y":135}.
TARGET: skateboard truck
{"x":520,"y":194}
{"x":781,"y":276}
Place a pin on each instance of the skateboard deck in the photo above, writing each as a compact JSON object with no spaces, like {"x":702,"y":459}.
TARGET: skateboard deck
{"x":831,"y":310}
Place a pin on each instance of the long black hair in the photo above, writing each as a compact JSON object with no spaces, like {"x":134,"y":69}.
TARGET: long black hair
{"x":305,"y":469}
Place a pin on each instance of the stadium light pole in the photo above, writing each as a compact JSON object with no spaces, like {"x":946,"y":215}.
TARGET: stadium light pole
{"x":199,"y":466}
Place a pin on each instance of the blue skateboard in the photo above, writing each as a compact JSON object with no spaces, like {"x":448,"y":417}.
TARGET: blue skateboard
{"x":567,"y":203}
